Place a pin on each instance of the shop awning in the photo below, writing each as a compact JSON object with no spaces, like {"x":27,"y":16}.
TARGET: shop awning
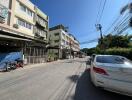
{"x":12,"y":37}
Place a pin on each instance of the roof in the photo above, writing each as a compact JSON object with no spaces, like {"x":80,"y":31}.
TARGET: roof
{"x":58,"y":27}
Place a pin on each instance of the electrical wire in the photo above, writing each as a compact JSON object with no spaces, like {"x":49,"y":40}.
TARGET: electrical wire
{"x":90,"y":41}
{"x":114,"y":22}
{"x":98,"y":13}
{"x":102,"y":11}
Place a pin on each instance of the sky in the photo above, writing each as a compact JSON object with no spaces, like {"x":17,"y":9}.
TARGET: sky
{"x":80,"y":16}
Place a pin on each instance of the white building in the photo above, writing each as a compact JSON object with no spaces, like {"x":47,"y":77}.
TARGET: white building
{"x":65,"y":42}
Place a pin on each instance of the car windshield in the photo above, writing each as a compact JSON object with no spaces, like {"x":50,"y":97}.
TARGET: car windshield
{"x":111,"y":59}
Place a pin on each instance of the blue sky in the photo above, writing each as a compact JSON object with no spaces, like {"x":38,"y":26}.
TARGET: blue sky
{"x":80,"y":15}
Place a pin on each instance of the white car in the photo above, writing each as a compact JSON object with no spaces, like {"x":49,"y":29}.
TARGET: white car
{"x":113,"y":73}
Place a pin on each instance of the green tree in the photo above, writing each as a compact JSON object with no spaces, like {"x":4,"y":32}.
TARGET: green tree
{"x":111,"y":41}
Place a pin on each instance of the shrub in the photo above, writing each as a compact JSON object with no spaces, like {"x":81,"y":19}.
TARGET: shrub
{"x":126,"y":52}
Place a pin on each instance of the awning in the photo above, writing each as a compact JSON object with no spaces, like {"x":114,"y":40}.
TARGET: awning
{"x":11,"y":37}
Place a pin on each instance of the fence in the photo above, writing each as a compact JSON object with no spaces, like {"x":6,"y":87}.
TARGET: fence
{"x":35,"y":59}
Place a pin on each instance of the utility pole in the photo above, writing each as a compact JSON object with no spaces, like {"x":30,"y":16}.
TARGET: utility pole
{"x":70,"y":49}
{"x":99,"y":28}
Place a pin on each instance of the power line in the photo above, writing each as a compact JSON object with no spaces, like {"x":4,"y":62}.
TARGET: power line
{"x":98,"y":12}
{"x":114,"y":22}
{"x":102,"y":11}
{"x":90,"y":41}
{"x":120,"y":25}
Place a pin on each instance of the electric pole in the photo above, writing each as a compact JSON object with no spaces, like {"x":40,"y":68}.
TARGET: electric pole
{"x":99,"y":28}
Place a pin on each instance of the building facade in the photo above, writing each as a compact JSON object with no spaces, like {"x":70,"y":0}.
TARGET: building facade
{"x":66,"y":43}
{"x":41,"y":26}
{"x":23,"y":27}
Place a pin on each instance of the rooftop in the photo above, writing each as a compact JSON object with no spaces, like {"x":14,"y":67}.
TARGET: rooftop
{"x":59,"y":27}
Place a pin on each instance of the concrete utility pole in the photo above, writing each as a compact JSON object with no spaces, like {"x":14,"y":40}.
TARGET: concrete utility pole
{"x":70,"y":50}
{"x":99,"y":28}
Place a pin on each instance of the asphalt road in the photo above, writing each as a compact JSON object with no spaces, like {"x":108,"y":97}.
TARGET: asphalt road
{"x":62,"y":80}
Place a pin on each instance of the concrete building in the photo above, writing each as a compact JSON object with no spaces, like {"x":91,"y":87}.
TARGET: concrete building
{"x":23,"y":27}
{"x":41,"y":26}
{"x":63,"y":44}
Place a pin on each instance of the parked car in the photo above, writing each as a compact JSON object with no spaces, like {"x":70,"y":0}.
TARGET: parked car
{"x":113,"y":73}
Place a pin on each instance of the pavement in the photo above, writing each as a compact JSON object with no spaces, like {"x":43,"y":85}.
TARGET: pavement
{"x":60,"y":80}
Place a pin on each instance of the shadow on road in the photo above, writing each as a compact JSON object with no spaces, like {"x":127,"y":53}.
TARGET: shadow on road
{"x":74,"y":78}
{"x":86,"y":91}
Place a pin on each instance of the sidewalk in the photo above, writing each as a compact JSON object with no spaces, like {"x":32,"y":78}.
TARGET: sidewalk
{"x":40,"y":64}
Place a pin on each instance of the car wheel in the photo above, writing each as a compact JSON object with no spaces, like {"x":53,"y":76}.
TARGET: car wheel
{"x":7,"y":69}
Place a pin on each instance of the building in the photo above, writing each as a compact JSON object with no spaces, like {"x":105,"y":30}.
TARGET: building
{"x":41,"y":26}
{"x":23,"y":27}
{"x":63,"y":44}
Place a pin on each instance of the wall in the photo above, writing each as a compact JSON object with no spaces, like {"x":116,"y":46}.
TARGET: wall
{"x":24,"y":16}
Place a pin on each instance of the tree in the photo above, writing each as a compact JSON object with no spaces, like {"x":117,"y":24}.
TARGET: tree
{"x":111,"y":41}
{"x":89,"y":51}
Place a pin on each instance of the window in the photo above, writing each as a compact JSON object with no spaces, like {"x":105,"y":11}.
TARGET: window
{"x":29,"y":12}
{"x":67,"y":43}
{"x":24,"y":24}
{"x":21,"y":22}
{"x":29,"y":26}
{"x":56,"y":34}
{"x":110,"y":59}
{"x":56,"y":41}
{"x":23,"y":8}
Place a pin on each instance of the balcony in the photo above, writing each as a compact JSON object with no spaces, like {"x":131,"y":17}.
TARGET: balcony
{"x":42,"y":23}
{"x":40,"y":34}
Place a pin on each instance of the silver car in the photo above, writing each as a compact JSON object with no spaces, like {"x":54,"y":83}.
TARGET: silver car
{"x":113,"y":73}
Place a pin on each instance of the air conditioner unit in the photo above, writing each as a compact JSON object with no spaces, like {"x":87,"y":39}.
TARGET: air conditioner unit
{"x":16,"y":26}
{"x":2,"y":19}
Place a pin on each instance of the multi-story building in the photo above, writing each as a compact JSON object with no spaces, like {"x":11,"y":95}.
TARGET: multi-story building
{"x":41,"y":26}
{"x":63,"y":43}
{"x":23,"y":27}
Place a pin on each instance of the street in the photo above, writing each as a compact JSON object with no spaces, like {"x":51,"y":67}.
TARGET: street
{"x":61,"y":80}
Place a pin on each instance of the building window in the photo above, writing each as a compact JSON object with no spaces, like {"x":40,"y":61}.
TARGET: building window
{"x":56,"y":41}
{"x":21,"y":22}
{"x":29,"y":12}
{"x":24,"y":24}
{"x":23,"y":8}
{"x":41,"y":20}
{"x":29,"y":26}
{"x":56,"y":34}
{"x":26,"y":10}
